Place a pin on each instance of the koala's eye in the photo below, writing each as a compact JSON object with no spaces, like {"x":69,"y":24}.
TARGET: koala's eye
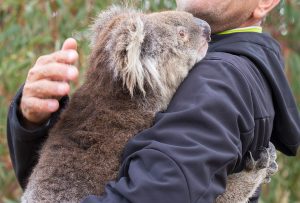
{"x":182,"y":32}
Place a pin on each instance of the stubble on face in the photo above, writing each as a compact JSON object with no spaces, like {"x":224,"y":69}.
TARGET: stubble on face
{"x":220,"y":14}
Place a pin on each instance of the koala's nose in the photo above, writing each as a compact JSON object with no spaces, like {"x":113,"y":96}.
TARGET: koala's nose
{"x":205,"y":27}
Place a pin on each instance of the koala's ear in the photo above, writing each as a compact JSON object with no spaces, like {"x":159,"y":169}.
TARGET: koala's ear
{"x":124,"y":47}
{"x":103,"y":19}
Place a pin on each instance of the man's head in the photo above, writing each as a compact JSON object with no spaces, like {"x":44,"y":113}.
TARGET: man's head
{"x":228,"y":14}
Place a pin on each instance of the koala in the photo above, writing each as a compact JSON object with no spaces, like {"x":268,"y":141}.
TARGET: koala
{"x":137,"y":61}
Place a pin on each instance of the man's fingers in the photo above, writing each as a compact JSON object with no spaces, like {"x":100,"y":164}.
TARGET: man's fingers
{"x":36,"y":110}
{"x":69,"y":43}
{"x":46,"y":89}
{"x":54,"y":71}
{"x":48,"y":81}
{"x":64,"y":56}
{"x":34,"y":105}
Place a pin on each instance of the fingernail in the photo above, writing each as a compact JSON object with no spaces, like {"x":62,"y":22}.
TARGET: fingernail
{"x":72,"y":55}
{"x":61,"y":89}
{"x":72,"y":72}
{"x":52,"y":106}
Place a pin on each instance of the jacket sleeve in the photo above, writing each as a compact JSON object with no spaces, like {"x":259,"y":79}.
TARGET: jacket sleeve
{"x":193,"y":146}
{"x":23,"y":143}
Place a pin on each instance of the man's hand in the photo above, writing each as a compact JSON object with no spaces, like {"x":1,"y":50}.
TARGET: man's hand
{"x":47,"y":81}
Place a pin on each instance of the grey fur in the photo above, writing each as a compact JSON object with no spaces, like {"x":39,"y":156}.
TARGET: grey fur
{"x":241,"y":186}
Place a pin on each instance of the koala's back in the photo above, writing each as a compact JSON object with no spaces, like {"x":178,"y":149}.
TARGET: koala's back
{"x":82,"y":155}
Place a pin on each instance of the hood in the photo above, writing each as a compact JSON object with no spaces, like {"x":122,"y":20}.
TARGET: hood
{"x":265,"y":53}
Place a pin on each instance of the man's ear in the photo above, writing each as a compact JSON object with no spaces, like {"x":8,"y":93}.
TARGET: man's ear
{"x":264,"y":7}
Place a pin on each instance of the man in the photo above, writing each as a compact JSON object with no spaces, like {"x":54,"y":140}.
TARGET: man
{"x":234,"y":101}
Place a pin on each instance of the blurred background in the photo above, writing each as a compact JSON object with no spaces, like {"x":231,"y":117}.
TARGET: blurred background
{"x":30,"y":28}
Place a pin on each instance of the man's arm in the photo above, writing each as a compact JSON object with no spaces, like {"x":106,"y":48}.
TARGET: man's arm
{"x":192,"y":147}
{"x":24,"y":143}
{"x":41,"y":97}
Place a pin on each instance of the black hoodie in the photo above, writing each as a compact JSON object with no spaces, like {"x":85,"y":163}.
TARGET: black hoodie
{"x":232,"y":102}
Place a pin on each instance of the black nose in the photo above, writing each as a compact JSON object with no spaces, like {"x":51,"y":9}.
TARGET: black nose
{"x":207,"y":33}
{"x":205,"y":28}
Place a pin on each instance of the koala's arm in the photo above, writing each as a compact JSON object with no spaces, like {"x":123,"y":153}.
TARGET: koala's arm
{"x":187,"y":154}
{"x":241,"y":186}
{"x":24,"y":143}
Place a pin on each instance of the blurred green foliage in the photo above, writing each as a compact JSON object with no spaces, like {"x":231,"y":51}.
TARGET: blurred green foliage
{"x":32,"y":28}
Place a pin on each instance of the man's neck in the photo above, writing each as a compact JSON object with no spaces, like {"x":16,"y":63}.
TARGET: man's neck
{"x":251,"y":22}
{"x":250,"y":25}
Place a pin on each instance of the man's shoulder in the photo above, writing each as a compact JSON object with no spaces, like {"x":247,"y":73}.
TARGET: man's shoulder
{"x":219,"y":58}
{"x":219,"y":64}
{"x":220,"y":73}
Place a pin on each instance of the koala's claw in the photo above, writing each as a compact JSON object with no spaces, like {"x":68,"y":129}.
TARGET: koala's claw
{"x":264,"y":159}
{"x":273,"y":166}
{"x":267,"y":160}
{"x":272,"y":169}
{"x":267,"y":180}
{"x":261,"y":163}
{"x":272,"y":152}
{"x":250,"y":163}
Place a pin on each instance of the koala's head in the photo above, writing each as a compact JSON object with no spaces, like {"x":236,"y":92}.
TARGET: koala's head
{"x":149,"y":52}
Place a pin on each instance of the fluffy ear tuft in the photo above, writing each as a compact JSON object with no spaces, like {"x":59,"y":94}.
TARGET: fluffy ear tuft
{"x":124,"y":47}
{"x":133,"y":73}
{"x":122,"y":32}
{"x":103,"y":19}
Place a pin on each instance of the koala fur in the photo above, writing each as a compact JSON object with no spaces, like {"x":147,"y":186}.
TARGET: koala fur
{"x":241,"y":186}
{"x":136,"y":64}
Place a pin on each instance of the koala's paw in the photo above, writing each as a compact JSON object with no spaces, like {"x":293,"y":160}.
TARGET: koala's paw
{"x":273,"y":167}
{"x":267,"y":160}
{"x":262,"y":163}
